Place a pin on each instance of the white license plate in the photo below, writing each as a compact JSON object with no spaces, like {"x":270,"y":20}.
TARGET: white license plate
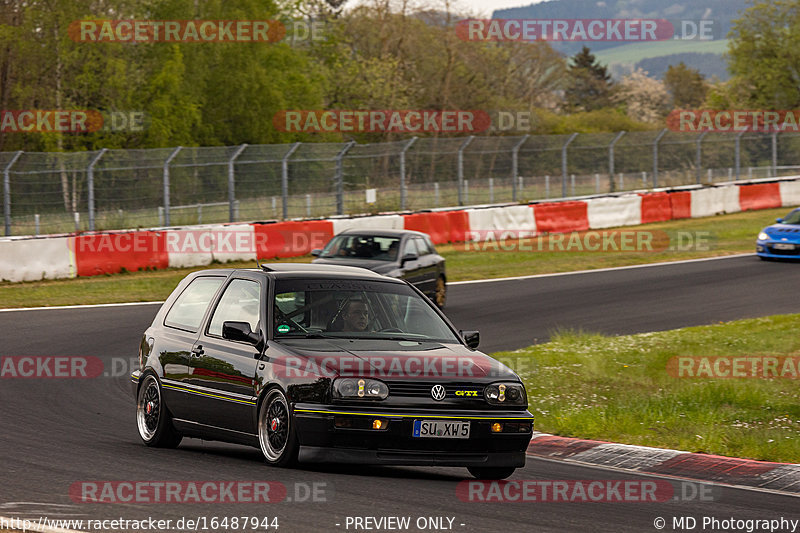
{"x":782,"y":246}
{"x":441,"y":429}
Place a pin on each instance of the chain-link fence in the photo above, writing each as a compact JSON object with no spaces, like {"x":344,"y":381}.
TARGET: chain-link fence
{"x":117,"y":189}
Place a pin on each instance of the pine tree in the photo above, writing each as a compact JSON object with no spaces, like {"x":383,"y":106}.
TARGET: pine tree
{"x":589,"y":84}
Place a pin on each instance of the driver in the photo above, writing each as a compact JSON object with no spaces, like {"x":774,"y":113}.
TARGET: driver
{"x":355,"y":316}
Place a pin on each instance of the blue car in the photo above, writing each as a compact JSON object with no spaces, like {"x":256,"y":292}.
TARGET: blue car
{"x":781,"y":240}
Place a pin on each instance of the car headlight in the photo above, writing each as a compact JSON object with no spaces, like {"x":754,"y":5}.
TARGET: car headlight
{"x":505,"y":394}
{"x":763,"y":236}
{"x":355,"y":388}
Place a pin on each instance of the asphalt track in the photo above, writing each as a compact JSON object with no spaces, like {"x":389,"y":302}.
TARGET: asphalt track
{"x":54,"y":432}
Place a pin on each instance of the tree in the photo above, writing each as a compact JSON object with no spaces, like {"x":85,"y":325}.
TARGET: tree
{"x":645,"y":99}
{"x":686,"y":86}
{"x":764,"y":54}
{"x":589,"y":84}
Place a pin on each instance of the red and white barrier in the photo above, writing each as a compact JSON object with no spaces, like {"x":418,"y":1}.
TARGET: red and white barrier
{"x":561,"y":217}
{"x":760,"y":196}
{"x":102,"y":253}
{"x":656,"y":207}
{"x":376,"y":222}
{"x":790,"y":193}
{"x":515,"y":220}
{"x":35,"y":259}
{"x":109,"y":253}
{"x":613,"y":212}
{"x":712,"y":201}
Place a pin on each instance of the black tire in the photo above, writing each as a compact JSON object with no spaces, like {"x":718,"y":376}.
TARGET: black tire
{"x":489,"y":472}
{"x":276,"y":430}
{"x":153,"y":419}
{"x":440,"y":292}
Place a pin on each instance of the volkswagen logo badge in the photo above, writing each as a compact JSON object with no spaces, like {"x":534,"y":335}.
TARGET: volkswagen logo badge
{"x":438,"y":392}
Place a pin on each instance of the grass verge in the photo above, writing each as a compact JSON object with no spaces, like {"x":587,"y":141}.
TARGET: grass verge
{"x":727,"y":234}
{"x":618,"y":389}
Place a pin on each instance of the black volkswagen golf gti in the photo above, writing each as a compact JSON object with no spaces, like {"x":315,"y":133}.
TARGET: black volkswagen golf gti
{"x":318,"y":363}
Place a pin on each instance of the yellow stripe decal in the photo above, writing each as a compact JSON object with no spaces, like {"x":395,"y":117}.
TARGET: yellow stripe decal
{"x":191,"y":391}
{"x":419,"y":415}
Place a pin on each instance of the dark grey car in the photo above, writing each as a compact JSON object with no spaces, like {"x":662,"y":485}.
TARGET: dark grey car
{"x":403,"y":254}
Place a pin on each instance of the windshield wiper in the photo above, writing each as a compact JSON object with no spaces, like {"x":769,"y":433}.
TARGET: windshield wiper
{"x":310,"y":335}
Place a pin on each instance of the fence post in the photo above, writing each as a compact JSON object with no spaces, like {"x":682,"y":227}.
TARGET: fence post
{"x":166,"y":183}
{"x":7,"y":191}
{"x":515,"y":166}
{"x":461,"y":169}
{"x":285,"y":179}
{"x":611,"y":158}
{"x":655,"y":156}
{"x":739,"y":154}
{"x":340,"y":178}
{"x":699,"y":156}
{"x":403,"y":173}
{"x":564,"y":165}
{"x":774,"y":154}
{"x":232,"y":184}
{"x":90,"y":186}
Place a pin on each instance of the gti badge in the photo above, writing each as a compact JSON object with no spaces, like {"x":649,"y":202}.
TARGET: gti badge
{"x":438,"y":393}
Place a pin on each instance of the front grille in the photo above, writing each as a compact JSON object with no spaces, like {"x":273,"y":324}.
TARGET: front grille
{"x":416,"y":389}
{"x":772,"y":250}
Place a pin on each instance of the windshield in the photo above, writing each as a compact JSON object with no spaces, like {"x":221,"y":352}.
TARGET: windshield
{"x":792,"y":218}
{"x":355,"y":309}
{"x":362,"y":247}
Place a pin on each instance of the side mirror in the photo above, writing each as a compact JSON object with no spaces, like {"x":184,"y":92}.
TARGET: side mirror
{"x":778,"y":220}
{"x":240,"y":331}
{"x":471,"y":338}
{"x":407,"y":258}
{"x":316,"y":252}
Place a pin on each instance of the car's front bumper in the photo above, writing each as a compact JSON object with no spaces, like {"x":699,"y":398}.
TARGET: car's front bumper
{"x":321,"y":440}
{"x":767,"y":249}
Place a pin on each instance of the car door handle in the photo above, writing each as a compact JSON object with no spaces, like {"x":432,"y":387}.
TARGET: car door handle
{"x":197,"y":351}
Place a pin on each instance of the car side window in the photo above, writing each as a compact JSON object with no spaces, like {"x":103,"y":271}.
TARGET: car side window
{"x":188,"y":310}
{"x":239,"y":303}
{"x":410,"y":247}
{"x":431,"y":247}
{"x":422,"y":246}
